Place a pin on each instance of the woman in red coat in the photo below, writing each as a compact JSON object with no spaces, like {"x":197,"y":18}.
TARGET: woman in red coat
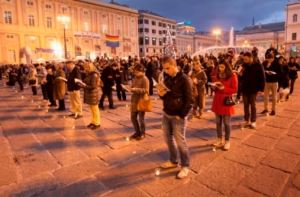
{"x":225,"y":85}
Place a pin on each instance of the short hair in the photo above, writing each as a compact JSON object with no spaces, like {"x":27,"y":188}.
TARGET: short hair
{"x":248,"y":54}
{"x":269,"y":56}
{"x":168,"y":59}
{"x":139,"y":67}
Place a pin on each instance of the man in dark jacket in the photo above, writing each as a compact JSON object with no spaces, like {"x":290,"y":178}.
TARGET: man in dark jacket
{"x":176,"y":92}
{"x":74,"y":90}
{"x":272,"y":71}
{"x":253,"y":78}
{"x":107,"y":77}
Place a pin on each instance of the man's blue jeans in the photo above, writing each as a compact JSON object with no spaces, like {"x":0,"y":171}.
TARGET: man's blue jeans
{"x":174,"y":131}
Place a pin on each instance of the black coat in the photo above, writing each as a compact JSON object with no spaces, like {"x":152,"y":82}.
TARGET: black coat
{"x":178,"y":101}
{"x":108,"y":77}
{"x":293,"y":68}
{"x":284,"y":80}
{"x":91,"y":90}
{"x":275,"y":67}
{"x":75,"y":73}
{"x":253,"y":78}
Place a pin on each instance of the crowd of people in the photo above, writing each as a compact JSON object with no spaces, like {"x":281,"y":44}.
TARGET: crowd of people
{"x":183,"y":85}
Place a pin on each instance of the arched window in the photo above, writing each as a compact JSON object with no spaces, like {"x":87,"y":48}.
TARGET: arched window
{"x":31,"y":20}
{"x":295,"y":18}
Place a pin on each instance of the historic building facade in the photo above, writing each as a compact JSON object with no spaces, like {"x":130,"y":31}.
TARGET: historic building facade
{"x":152,"y":32}
{"x":292,"y":32}
{"x":92,"y":28}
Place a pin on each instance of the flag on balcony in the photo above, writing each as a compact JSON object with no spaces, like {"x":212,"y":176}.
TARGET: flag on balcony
{"x":112,"y":41}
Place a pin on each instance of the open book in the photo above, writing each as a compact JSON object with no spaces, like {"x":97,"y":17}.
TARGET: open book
{"x":80,"y":82}
{"x":62,"y":78}
{"x":270,"y":72}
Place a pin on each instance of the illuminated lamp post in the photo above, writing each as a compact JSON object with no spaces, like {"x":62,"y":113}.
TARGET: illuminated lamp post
{"x":217,"y":33}
{"x":65,"y":20}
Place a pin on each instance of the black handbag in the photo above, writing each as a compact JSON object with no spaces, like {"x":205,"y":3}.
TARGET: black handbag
{"x":228,"y":101}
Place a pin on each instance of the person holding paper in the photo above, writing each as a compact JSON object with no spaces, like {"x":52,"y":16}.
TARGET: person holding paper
{"x":272,"y":71}
{"x":91,"y":94}
{"x":74,"y":90}
{"x":59,"y":86}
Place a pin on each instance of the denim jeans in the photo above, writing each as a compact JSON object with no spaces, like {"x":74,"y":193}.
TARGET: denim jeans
{"x":249,"y":101}
{"x":174,"y":131}
{"x":220,"y":120}
{"x":139,"y":125}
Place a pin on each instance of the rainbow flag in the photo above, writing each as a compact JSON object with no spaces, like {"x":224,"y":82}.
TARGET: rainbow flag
{"x":112,"y":41}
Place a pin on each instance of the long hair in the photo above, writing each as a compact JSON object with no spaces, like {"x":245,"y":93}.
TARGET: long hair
{"x":228,"y":70}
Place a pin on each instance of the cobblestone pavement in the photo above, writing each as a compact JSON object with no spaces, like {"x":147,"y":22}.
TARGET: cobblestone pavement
{"x":45,"y":153}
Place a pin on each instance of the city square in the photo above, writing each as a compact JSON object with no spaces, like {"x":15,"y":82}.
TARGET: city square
{"x":172,"y":90}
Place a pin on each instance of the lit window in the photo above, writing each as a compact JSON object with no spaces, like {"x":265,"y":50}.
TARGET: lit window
{"x":31,"y":20}
{"x":8,"y":17}
{"x":49,"y":22}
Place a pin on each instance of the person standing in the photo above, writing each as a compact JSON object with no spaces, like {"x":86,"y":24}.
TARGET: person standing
{"x":33,"y":79}
{"x":41,"y":75}
{"x":59,"y":87}
{"x":139,"y":87}
{"x":293,"y":68}
{"x":49,"y":86}
{"x":120,"y":78}
{"x":175,"y":90}
{"x":226,"y":84}
{"x":107,"y":77}
{"x":91,"y":94}
{"x":74,"y":90}
{"x":284,"y":80}
{"x":253,"y":78}
{"x":272,"y":71}
{"x":199,"y":80}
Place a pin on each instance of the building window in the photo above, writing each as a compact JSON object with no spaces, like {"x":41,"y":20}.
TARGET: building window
{"x":141,"y":50}
{"x":153,"y":31}
{"x":160,"y":24}
{"x":141,"y":30}
{"x":10,"y":36}
{"x":295,"y":18}
{"x":30,"y":2}
{"x":140,"y":21}
{"x":153,"y":23}
{"x":146,"y":21}
{"x":153,"y":41}
{"x":164,"y":25}
{"x":85,"y":12}
{"x":141,"y":41}
{"x":31,"y":20}
{"x":49,"y":22}
{"x":146,"y":30}
{"x":173,"y":26}
{"x":160,"y":42}
{"x":48,"y":6}
{"x":159,"y":32}
{"x":294,"y":36}
{"x":173,"y":33}
{"x":8,"y":17}
{"x":146,"y":41}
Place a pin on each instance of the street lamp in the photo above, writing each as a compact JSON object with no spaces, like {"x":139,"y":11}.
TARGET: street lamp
{"x":65,"y":21}
{"x":217,"y":33}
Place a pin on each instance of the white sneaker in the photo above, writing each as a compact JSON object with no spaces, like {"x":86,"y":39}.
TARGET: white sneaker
{"x":218,"y":143}
{"x":226,"y":145}
{"x":169,"y":164}
{"x":183,"y":173}
{"x":253,"y":125}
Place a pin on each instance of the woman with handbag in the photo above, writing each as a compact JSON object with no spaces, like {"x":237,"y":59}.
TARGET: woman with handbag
{"x":140,"y":101}
{"x":225,"y":85}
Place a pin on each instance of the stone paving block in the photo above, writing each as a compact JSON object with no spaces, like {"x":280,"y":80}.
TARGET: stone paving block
{"x":84,"y":169}
{"x":294,"y":131}
{"x":288,"y":114}
{"x":125,"y":154}
{"x":35,"y":186}
{"x":86,"y":187}
{"x":245,"y":192}
{"x":246,"y":155}
{"x":242,"y":134}
{"x":296,"y":181}
{"x":267,"y":180}
{"x":34,"y":163}
{"x":223,"y":175}
{"x":260,"y":142}
{"x":126,"y":192}
{"x":283,"y":123}
{"x":68,"y":156}
{"x":271,"y":132}
{"x":193,"y":189}
{"x":8,"y":171}
{"x":281,"y":160}
{"x":292,"y":192}
{"x":289,"y":144}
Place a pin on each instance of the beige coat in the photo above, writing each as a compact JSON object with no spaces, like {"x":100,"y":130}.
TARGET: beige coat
{"x":59,"y":86}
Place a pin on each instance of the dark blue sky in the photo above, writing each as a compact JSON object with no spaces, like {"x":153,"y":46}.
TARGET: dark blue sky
{"x":206,"y":14}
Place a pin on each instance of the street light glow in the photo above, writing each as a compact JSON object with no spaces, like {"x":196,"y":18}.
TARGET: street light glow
{"x":217,"y":32}
{"x":63,"y":19}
